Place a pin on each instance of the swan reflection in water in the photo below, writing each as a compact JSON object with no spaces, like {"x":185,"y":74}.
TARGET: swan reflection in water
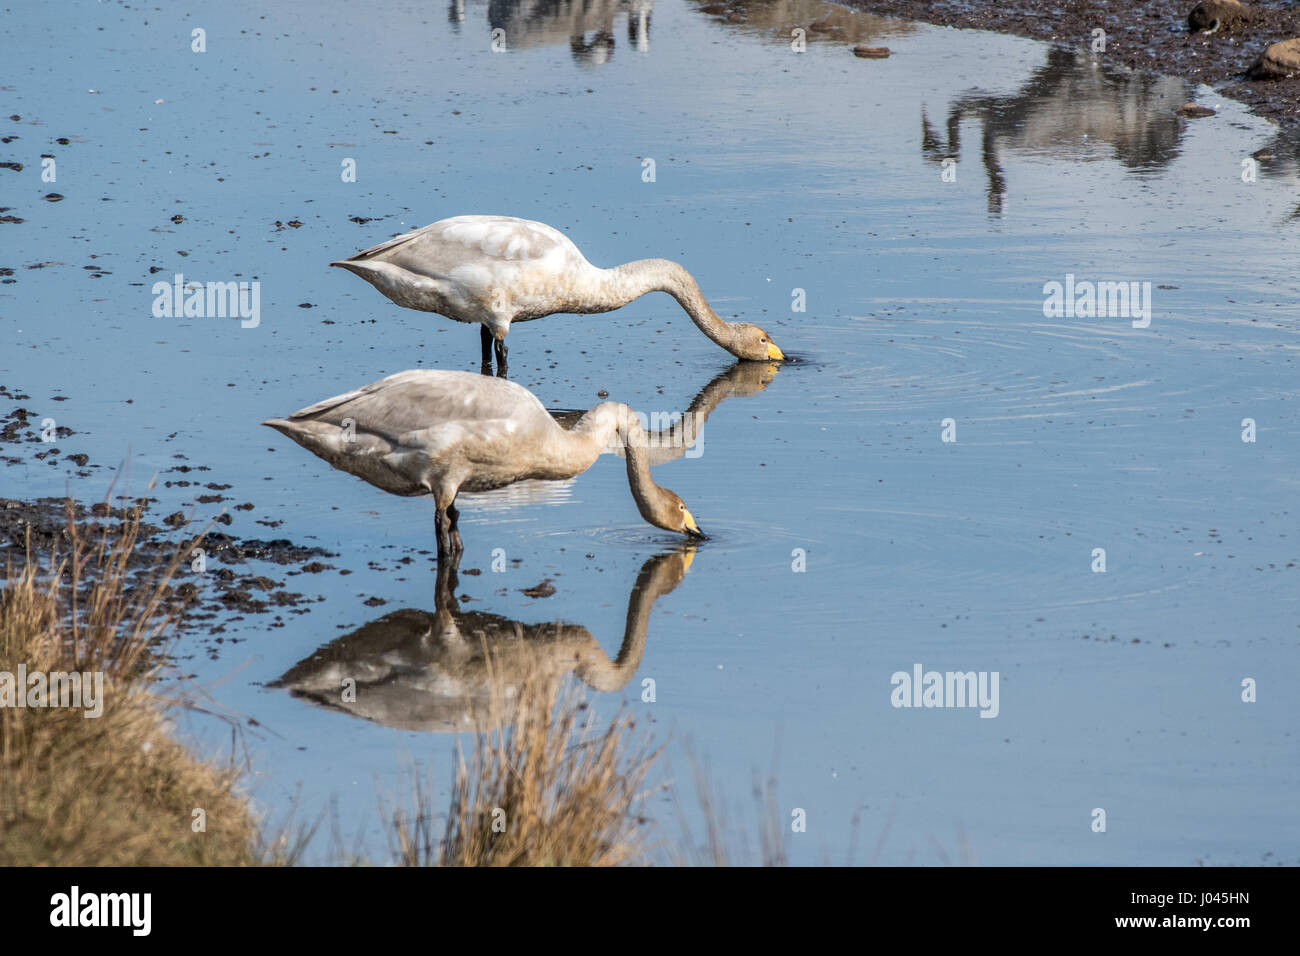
{"x":452,"y":670}
{"x":680,"y":435}
{"x":586,"y":26}
{"x":1068,"y":108}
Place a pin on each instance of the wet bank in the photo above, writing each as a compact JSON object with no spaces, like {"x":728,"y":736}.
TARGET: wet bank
{"x":1153,"y":35}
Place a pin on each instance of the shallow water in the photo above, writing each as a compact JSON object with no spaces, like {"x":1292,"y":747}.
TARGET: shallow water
{"x":774,"y":171}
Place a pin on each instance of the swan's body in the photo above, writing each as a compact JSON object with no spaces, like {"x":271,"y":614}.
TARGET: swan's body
{"x":431,"y":432}
{"x":496,"y":270}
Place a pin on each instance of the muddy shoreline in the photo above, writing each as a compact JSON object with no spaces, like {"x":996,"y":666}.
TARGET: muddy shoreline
{"x":1151,"y":36}
{"x":229,"y":583}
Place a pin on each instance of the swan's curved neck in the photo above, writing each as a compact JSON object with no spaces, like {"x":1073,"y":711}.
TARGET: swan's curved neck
{"x":655,"y":580}
{"x":592,"y":434}
{"x":632,"y":280}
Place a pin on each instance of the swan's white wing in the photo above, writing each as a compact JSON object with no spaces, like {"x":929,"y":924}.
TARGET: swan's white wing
{"x":473,"y":240}
{"x":503,"y":237}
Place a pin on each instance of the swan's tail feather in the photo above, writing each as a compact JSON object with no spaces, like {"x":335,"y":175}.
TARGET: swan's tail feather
{"x":320,"y":438}
{"x":373,"y":251}
{"x":360,"y":267}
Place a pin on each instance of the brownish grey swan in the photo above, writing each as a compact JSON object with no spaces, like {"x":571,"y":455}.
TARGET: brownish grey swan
{"x":434,"y":432}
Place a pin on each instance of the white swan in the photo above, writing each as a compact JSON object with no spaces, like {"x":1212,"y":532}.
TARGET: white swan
{"x":496,"y":270}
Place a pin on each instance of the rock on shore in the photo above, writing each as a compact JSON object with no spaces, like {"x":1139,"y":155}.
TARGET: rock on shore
{"x":1280,"y":60}
{"x":1218,"y":15}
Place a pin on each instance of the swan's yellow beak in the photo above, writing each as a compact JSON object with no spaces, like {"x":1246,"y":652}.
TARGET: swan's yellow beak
{"x":691,"y":527}
{"x":775,"y":353}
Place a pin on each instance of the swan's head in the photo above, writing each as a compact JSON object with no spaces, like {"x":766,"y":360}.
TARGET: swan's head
{"x":670,"y":513}
{"x":750,"y":342}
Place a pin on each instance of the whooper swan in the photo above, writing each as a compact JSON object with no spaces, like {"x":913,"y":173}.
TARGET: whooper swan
{"x":433,"y":432}
{"x":495,"y":270}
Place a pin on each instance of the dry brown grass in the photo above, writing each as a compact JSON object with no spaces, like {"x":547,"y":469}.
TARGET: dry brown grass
{"x":726,"y":836}
{"x":117,"y":789}
{"x":548,"y":785}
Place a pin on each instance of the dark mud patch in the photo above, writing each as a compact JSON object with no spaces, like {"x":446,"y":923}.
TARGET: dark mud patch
{"x":221,"y":578}
{"x":218,"y":574}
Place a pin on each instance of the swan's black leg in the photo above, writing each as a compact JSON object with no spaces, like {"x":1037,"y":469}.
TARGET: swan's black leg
{"x":442,"y":527}
{"x":485,"y":339}
{"x":445,"y":585}
{"x":457,"y":546}
{"x":502,"y":351}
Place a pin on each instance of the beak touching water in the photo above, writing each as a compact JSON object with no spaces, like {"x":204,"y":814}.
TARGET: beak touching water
{"x":775,"y":353}
{"x":692,"y":528}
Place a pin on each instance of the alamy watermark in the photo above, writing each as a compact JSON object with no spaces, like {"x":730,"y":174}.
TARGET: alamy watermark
{"x":215,"y":300}
{"x":669,"y":430}
{"x":53,"y":689}
{"x":75,"y":908}
{"x":1085,"y":299}
{"x":922,"y":688}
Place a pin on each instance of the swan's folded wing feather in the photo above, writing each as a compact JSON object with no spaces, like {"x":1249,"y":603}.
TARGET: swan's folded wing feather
{"x":420,"y":399}
{"x":481,"y":444}
{"x":389,"y":244}
{"x":441,"y":248}
{"x":503,"y":237}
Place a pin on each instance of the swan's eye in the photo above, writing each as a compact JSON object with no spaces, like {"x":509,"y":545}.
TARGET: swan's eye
{"x":762,"y":341}
{"x":681,"y":506}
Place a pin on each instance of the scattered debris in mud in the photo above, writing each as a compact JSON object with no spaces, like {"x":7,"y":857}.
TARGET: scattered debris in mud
{"x":543,"y":590}
{"x":218,"y":583}
{"x":215,"y":577}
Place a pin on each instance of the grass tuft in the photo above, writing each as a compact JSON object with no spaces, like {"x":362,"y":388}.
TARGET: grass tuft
{"x":117,"y":789}
{"x":548,"y":784}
